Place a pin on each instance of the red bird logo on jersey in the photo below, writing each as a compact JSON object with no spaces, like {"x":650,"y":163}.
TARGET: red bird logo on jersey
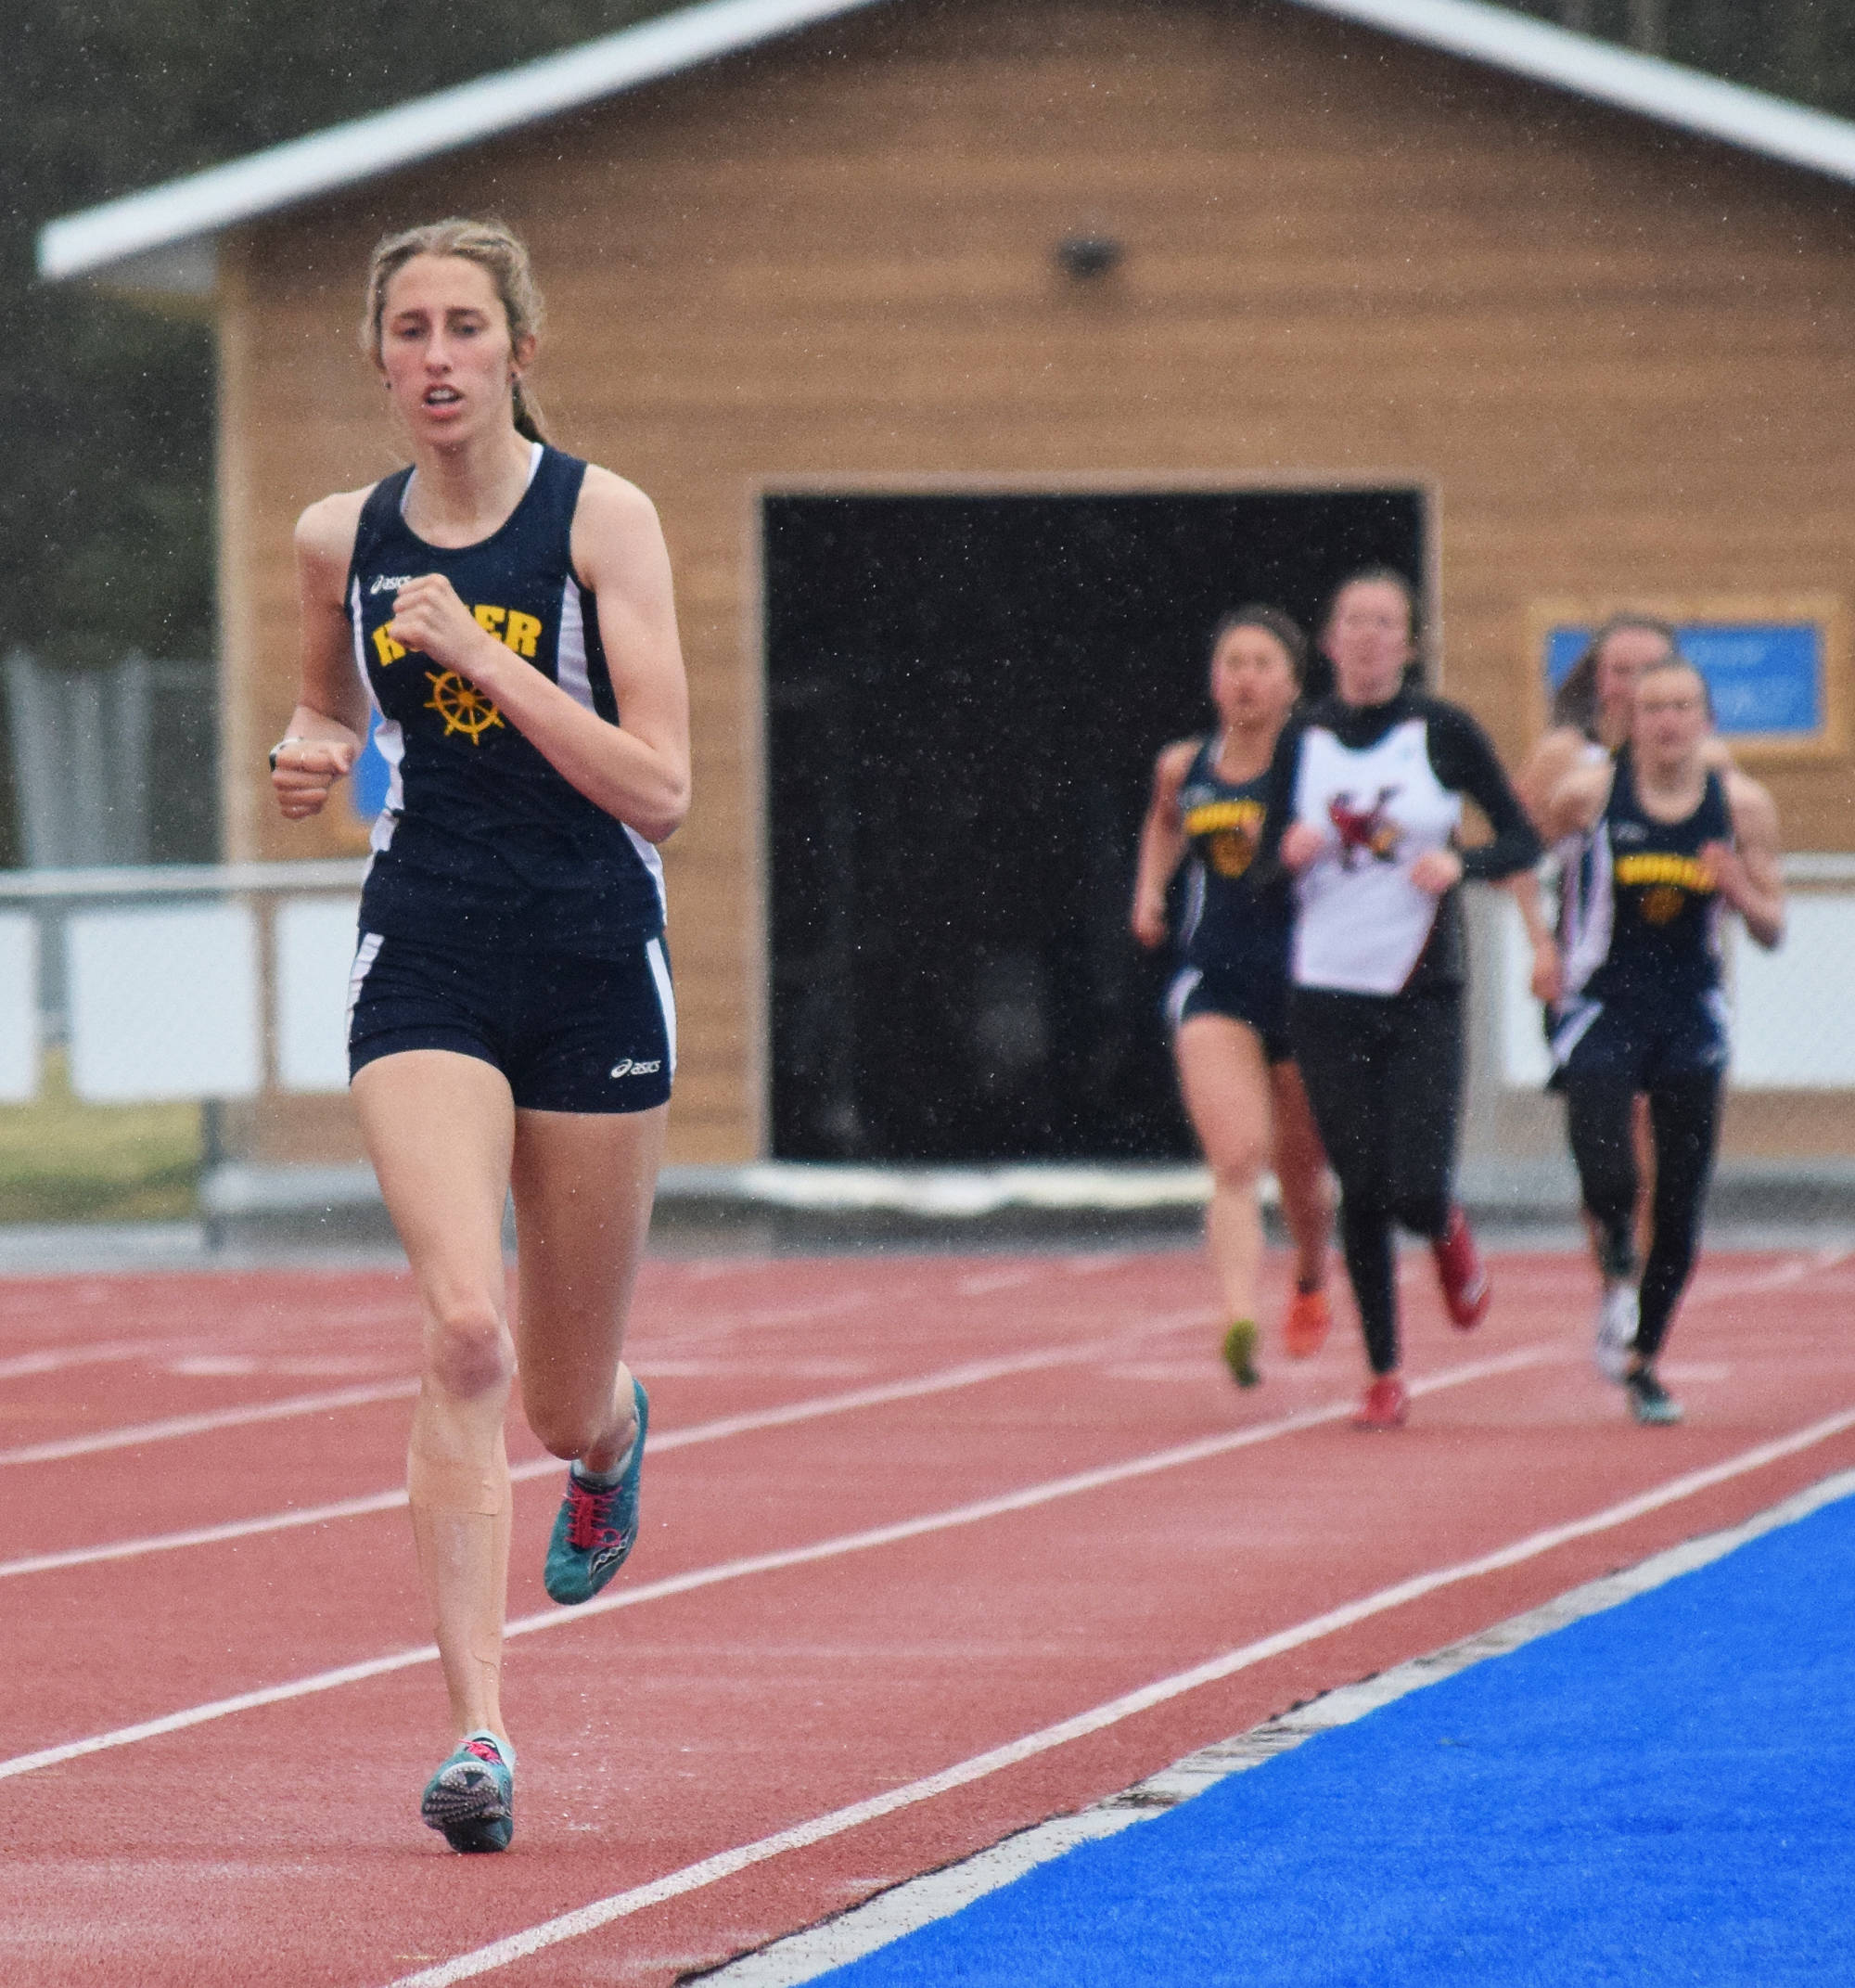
{"x":1363,"y":831}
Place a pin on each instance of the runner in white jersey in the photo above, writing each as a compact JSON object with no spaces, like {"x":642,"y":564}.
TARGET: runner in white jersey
{"x":508,"y":610}
{"x":1366,"y":796}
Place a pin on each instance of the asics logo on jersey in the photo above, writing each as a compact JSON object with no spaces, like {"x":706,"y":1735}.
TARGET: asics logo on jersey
{"x":625,"y":1067}
{"x":1365,"y":832}
{"x":390,"y":583}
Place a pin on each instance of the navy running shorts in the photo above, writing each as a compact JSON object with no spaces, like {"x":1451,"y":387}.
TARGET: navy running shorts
{"x":1257,"y":1000}
{"x":570,"y":1035}
{"x":1638,"y":1043}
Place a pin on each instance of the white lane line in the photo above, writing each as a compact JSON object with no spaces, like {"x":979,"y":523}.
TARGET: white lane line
{"x":53,"y":1359}
{"x":136,"y":1433}
{"x":1713,"y":1288}
{"x":973,"y":1373}
{"x":700,"y":1577}
{"x":986,"y":1282}
{"x":694,"y":1877}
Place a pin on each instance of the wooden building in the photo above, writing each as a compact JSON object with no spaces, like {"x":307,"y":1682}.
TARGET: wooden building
{"x":1587,"y":315}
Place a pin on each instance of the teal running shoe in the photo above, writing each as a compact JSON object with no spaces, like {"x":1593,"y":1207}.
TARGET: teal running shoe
{"x":1651,"y":1402}
{"x":471,"y":1799}
{"x":595,"y":1531}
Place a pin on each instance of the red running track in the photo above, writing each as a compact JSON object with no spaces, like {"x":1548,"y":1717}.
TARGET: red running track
{"x":899,"y":1513}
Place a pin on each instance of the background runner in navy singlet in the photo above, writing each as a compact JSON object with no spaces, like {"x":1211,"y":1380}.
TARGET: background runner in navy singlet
{"x":1668,"y":842}
{"x":1228,"y":1003}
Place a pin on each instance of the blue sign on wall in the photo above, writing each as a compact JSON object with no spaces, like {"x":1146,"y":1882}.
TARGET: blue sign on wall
{"x":1764,"y":676}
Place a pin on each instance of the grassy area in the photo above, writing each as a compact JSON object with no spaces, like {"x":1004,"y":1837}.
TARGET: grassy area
{"x":62,"y":1160}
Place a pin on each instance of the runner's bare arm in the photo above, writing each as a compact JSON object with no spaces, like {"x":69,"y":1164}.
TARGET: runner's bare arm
{"x":1550,"y":761}
{"x":329,"y":725}
{"x":1546,"y":981}
{"x":1577,"y":800}
{"x":1162,"y":843}
{"x":1748,"y":872}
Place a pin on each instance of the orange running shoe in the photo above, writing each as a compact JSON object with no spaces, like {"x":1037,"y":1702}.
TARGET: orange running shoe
{"x":1384,"y":1406}
{"x":1463,"y":1275}
{"x":1305,"y":1331}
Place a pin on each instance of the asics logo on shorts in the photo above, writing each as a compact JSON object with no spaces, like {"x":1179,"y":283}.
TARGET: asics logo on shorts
{"x":626,"y":1068}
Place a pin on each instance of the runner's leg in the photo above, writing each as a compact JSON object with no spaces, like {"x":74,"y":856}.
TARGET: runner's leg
{"x":1302,"y":1171}
{"x":1684,"y":1112}
{"x":438,"y":1127}
{"x":583,"y":1184}
{"x":1341,"y":1049}
{"x":1225,"y":1084}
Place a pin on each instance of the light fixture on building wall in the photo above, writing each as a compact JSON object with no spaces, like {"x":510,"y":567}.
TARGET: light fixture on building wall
{"x":1088,"y":256}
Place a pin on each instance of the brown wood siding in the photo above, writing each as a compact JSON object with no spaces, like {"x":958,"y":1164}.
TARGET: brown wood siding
{"x":1620,"y":358}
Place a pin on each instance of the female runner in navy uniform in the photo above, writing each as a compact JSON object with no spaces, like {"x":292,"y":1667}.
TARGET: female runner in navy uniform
{"x":1670,"y":840}
{"x":1591,"y":713}
{"x":1365,"y":798}
{"x":511,"y":1023}
{"x":1228,"y":1005}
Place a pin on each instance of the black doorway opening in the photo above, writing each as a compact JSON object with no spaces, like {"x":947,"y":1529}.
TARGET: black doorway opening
{"x":964,"y":695}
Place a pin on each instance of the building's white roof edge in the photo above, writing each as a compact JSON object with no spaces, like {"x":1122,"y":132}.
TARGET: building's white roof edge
{"x":345,"y":155}
{"x":1664,"y":91}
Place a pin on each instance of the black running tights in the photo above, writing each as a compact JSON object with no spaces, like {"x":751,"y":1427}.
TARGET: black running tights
{"x":1383,"y":1073}
{"x":1684,"y":1118}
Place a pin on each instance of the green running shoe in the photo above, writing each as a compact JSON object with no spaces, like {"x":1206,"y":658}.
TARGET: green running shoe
{"x":595,"y":1529}
{"x":1239,"y":1352}
{"x":471,"y":1799}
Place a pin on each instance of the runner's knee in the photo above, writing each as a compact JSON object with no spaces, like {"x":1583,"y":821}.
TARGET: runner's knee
{"x":467,"y":1353}
{"x":1237,"y":1165}
{"x":567,"y":1429}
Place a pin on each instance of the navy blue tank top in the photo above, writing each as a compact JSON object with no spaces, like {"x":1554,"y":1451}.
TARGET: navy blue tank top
{"x":482,"y":844}
{"x":1230,"y":923}
{"x":1650,"y":897}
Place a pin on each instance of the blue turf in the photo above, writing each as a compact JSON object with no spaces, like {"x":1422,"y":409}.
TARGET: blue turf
{"x":1662,"y":1793}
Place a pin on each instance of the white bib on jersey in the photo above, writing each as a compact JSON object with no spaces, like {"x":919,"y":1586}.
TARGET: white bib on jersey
{"x":1361,"y":923}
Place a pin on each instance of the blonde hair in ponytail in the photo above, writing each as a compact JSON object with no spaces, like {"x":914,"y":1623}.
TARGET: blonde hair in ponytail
{"x":495,"y":248}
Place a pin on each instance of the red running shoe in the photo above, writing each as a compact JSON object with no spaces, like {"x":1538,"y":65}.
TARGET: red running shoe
{"x":1466,"y":1290}
{"x":1305,"y":1332}
{"x":1386,"y":1404}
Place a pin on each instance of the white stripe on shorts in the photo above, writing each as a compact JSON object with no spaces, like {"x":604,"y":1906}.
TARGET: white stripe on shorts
{"x":666,"y":996}
{"x":363,"y":959}
{"x":1179,"y":993}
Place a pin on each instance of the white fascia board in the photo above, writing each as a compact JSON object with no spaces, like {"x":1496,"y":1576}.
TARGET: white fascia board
{"x":1653,"y":88}
{"x":347,"y":154}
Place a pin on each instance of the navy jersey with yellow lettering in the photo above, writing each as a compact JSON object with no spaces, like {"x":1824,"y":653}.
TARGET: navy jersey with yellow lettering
{"x":1232,"y":924}
{"x":1642,"y":913}
{"x":483,"y":844}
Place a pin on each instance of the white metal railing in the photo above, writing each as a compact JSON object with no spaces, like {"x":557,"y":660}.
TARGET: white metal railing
{"x":218,"y":980}
{"x":195,"y":980}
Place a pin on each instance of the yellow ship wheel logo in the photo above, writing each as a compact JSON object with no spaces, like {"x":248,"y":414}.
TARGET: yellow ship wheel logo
{"x":462,"y":707}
